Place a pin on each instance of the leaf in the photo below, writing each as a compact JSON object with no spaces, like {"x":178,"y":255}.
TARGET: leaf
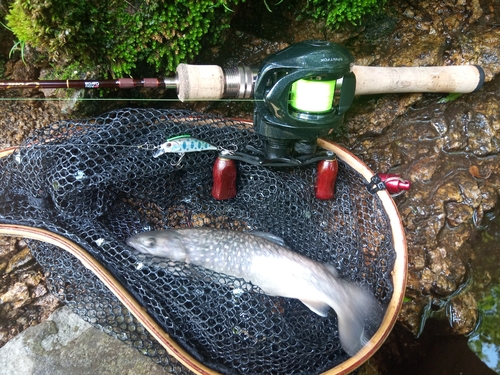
{"x":449,"y":98}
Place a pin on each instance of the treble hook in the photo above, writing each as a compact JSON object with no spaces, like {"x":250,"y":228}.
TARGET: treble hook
{"x":228,"y":151}
{"x":178,"y":163}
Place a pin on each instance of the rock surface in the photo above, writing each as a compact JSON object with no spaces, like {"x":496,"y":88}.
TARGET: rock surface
{"x":24,"y":298}
{"x":65,"y":344}
{"x":449,"y":153}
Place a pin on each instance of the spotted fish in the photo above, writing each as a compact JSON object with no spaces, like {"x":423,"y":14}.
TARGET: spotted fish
{"x":264,"y":260}
{"x":182,"y":144}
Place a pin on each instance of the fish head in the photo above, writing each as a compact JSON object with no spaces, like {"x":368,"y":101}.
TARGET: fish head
{"x":166,"y":244}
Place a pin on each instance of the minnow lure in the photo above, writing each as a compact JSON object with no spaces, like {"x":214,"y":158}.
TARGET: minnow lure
{"x":182,"y":144}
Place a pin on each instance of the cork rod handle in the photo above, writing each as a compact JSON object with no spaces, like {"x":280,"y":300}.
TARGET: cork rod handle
{"x":200,"y":82}
{"x":445,"y":79}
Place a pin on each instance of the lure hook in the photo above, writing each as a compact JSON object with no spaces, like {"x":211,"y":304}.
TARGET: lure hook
{"x":231,"y":150}
{"x":178,"y":163}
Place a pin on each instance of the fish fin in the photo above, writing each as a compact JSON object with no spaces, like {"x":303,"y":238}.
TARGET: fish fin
{"x":318,"y":307}
{"x":359,"y":316}
{"x":332,"y":270}
{"x":268,"y":236}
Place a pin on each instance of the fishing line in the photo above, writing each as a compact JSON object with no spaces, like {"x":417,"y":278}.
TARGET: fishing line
{"x":144,"y":146}
{"x":130,"y":100}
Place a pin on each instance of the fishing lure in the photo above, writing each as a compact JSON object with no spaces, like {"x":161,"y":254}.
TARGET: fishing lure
{"x":182,"y":144}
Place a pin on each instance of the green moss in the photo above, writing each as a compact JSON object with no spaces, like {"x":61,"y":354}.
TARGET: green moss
{"x":337,"y":12}
{"x":118,"y":35}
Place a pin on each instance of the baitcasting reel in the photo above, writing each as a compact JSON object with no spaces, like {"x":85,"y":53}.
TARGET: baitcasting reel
{"x":302,"y":93}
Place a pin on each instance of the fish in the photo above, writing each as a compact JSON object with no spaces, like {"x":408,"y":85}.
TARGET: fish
{"x":265,"y":260}
{"x":181,"y":144}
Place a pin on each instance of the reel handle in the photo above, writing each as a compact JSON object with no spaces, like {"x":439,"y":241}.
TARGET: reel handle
{"x":445,"y":79}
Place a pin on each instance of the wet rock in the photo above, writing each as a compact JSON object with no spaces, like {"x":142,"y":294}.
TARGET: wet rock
{"x":18,"y":260}
{"x":412,"y":311}
{"x":454,"y":240}
{"x":457,"y":213}
{"x":463,"y":313}
{"x":417,"y":260}
{"x":16,"y":296}
{"x":45,"y":305}
{"x":424,"y":169}
{"x":7,"y":247}
{"x":482,"y":137}
{"x":449,"y":192}
{"x":479,"y":48}
{"x":19,"y":70}
{"x":489,"y":196}
{"x":66,"y":344}
{"x":24,"y":300}
{"x":38,"y":291}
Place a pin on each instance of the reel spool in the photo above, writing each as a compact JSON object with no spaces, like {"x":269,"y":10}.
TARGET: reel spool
{"x":302,"y":93}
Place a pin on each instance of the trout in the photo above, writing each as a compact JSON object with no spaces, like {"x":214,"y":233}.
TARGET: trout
{"x":265,"y":261}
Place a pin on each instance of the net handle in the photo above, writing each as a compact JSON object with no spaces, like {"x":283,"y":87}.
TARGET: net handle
{"x":137,"y":310}
{"x":7,"y":151}
{"x":399,"y":271}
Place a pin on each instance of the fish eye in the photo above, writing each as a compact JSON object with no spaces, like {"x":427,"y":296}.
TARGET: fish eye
{"x":169,"y":144}
{"x":150,"y":242}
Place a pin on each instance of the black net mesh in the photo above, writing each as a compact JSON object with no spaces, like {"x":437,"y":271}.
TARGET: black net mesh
{"x":96,"y":183}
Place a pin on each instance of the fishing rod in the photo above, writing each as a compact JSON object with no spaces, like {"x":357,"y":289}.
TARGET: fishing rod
{"x":301,"y":93}
{"x":191,"y":81}
{"x":211,"y":82}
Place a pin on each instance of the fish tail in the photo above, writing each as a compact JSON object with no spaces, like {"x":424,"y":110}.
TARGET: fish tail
{"x":359,"y":316}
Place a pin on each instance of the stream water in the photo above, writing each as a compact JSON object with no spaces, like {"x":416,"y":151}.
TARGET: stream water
{"x":486,"y":287}
{"x":438,"y":350}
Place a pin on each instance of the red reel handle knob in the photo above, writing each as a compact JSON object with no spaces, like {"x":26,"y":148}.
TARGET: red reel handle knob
{"x":224,"y":174}
{"x":326,"y":177}
{"x":394,"y":183}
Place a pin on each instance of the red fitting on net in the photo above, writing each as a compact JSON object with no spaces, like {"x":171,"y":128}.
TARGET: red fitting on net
{"x":325,"y":180}
{"x":224,"y":174}
{"x":394,"y":184}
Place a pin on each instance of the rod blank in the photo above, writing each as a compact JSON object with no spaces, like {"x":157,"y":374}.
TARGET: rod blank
{"x":120,"y":83}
